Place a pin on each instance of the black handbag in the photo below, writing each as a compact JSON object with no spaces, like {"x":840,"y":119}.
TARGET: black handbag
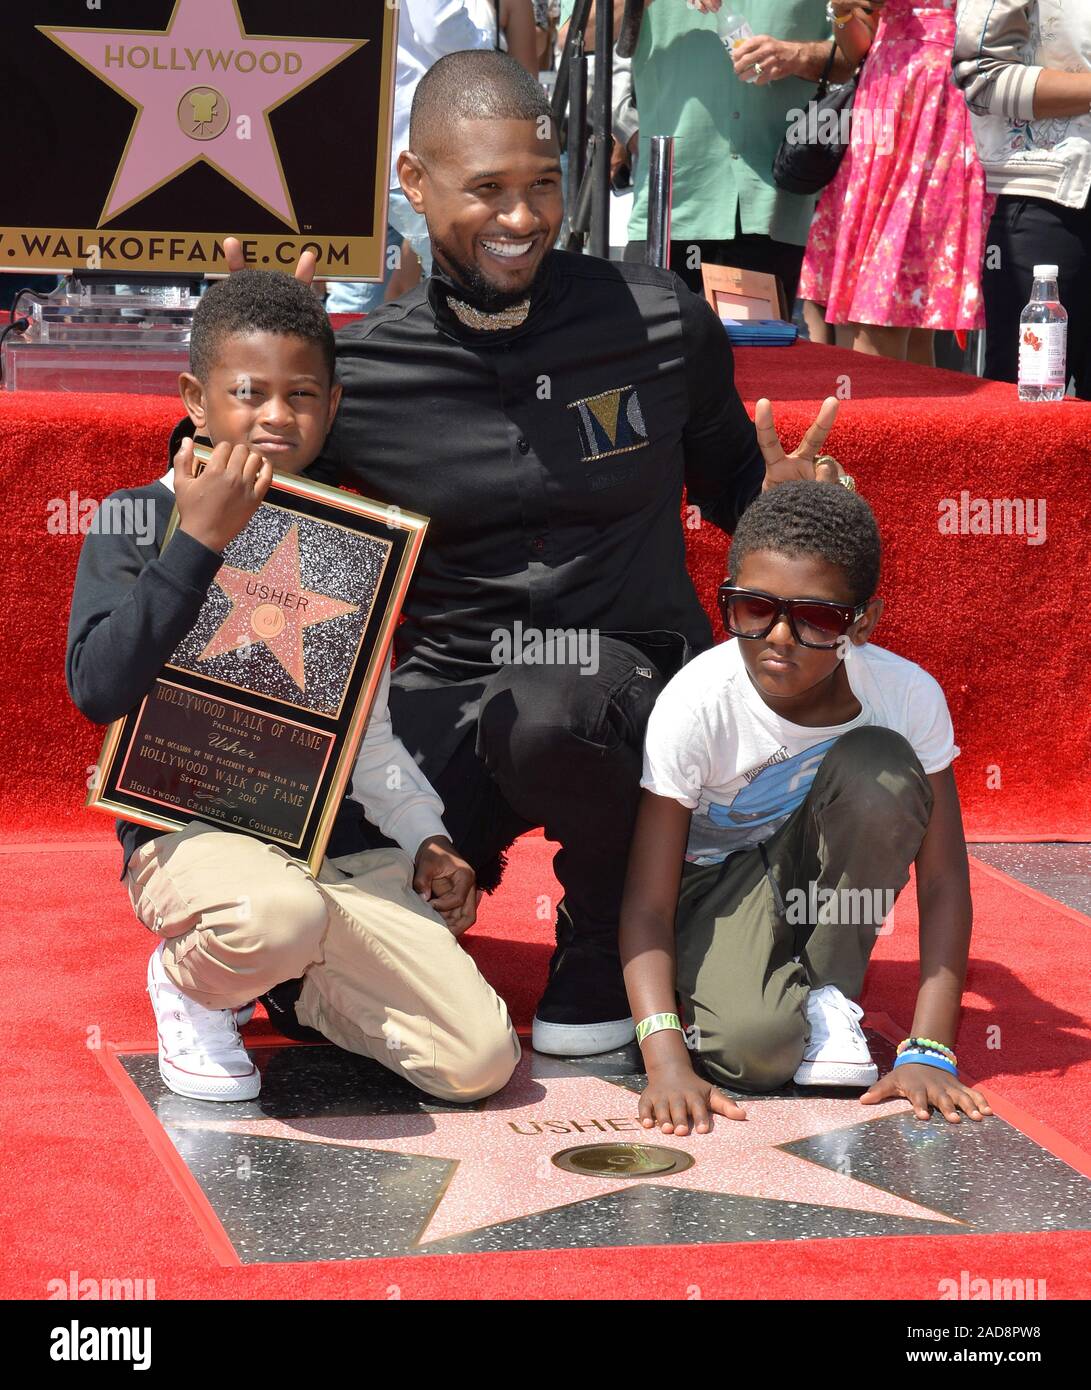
{"x":811,"y":152}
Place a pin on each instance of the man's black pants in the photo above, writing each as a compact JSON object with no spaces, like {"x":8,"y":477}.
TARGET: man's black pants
{"x":560,"y":746}
{"x":1030,"y":232}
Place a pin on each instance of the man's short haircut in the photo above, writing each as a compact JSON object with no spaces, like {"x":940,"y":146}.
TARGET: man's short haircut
{"x":257,"y":301}
{"x":477,"y":84}
{"x":810,"y":518}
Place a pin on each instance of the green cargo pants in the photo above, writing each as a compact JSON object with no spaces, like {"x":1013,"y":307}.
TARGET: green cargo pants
{"x":756,"y":933}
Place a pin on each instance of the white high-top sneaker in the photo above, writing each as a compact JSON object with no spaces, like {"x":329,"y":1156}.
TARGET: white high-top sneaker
{"x":200,"y":1052}
{"x":837,"y":1053}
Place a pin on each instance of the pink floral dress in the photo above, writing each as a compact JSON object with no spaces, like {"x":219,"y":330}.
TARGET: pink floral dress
{"x":898,"y":239}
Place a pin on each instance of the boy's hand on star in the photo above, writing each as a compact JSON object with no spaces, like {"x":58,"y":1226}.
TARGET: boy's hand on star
{"x":215,"y":505}
{"x":676,"y":1099}
{"x":447,"y":883}
{"x":927,"y":1089}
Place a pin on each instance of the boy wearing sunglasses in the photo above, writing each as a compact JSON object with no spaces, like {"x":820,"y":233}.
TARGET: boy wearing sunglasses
{"x":791,"y":777}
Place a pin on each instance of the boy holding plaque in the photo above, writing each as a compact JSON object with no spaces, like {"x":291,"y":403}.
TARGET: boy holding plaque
{"x":791,"y":777}
{"x":373,"y":935}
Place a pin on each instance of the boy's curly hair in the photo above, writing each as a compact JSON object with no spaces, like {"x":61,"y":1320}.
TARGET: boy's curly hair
{"x":257,"y":301}
{"x":811,"y":518}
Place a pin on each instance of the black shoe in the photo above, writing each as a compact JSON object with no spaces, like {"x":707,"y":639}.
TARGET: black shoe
{"x":584,"y":1010}
{"x":280,"y":1006}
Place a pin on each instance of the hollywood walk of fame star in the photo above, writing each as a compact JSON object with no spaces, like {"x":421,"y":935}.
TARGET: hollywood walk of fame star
{"x":196,"y":62}
{"x":270,"y":605}
{"x":502,"y":1151}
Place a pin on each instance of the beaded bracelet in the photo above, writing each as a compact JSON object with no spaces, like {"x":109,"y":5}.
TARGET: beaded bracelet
{"x":929,"y":1045}
{"x":925,"y":1042}
{"x":926,"y":1052}
{"x":926,"y":1059}
{"x":655,"y":1023}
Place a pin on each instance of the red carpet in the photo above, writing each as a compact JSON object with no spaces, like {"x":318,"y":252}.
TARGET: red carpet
{"x":989,"y":615}
{"x":91,"y":1195}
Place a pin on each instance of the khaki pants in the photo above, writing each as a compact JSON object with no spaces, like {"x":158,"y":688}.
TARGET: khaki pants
{"x":383,"y":976}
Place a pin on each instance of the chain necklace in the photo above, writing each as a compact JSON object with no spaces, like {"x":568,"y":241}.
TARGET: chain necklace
{"x":511,"y":317}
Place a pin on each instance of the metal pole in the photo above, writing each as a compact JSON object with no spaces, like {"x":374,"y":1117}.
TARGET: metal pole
{"x":602,"y":121}
{"x":576,"y":25}
{"x":660,"y":176}
{"x":580,"y":214}
{"x":577,"y":124}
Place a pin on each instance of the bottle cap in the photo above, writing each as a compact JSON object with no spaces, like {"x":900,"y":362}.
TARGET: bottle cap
{"x":1045,"y":272}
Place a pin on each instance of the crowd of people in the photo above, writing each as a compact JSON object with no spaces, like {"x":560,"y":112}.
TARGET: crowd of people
{"x":969,"y":159}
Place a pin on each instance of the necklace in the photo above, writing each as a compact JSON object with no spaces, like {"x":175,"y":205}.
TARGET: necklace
{"x":511,"y":317}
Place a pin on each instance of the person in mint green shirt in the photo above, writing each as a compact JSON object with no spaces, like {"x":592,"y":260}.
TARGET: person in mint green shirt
{"x":724,"y":208}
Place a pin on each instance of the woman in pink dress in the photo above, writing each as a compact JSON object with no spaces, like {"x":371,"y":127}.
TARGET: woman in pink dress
{"x":897,"y":243}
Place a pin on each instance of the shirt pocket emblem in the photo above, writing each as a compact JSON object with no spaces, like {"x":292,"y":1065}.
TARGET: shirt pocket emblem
{"x":610,"y":423}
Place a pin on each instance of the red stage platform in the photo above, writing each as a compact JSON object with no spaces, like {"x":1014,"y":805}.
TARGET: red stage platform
{"x":990,"y":615}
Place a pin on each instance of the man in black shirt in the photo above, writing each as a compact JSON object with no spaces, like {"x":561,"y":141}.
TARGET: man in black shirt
{"x":544,"y":410}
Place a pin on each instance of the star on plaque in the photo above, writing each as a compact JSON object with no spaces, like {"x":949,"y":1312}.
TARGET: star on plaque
{"x":271,"y":605}
{"x":203,"y":89}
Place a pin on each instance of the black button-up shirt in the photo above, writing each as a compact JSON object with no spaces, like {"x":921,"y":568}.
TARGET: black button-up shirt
{"x":550,"y":459}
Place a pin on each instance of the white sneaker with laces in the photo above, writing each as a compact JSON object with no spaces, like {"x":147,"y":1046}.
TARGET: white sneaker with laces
{"x":837,"y":1053}
{"x":200,"y":1052}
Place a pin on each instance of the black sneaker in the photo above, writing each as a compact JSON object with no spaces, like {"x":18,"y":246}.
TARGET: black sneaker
{"x":280,"y":1006}
{"x":584,"y":1010}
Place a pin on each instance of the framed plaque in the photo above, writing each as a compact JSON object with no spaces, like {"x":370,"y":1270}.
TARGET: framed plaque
{"x":743,"y":294}
{"x":254,"y":723}
{"x":145,"y":131}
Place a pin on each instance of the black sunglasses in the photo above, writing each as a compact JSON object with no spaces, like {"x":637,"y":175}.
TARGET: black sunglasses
{"x":814,"y":622}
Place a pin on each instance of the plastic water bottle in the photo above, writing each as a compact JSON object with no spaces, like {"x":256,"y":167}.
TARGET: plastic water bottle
{"x":732,"y":29}
{"x":1043,"y":337}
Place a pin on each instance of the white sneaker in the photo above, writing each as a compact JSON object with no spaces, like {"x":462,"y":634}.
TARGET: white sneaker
{"x":200,"y":1052}
{"x":837,"y":1053}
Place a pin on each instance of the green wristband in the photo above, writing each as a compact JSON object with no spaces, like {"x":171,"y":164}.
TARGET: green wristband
{"x":655,"y":1023}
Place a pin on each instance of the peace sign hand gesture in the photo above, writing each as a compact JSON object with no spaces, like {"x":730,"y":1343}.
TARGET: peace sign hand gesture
{"x":781,"y":467}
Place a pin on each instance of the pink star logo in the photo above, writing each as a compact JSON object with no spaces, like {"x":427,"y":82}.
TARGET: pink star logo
{"x":502,"y":1151}
{"x":203,"y":89}
{"x":271,"y":605}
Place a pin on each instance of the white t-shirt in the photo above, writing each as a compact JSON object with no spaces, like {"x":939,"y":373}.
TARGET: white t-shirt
{"x":714,"y":745}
